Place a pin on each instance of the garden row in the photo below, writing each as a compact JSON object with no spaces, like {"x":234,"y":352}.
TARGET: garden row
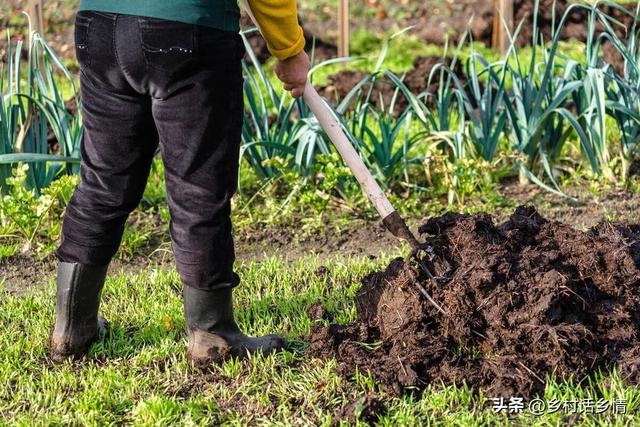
{"x":541,"y":118}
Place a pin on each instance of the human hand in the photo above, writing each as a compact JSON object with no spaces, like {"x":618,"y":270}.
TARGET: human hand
{"x":293,"y":73}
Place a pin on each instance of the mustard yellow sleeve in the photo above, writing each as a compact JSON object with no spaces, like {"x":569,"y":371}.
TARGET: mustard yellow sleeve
{"x":278,"y":20}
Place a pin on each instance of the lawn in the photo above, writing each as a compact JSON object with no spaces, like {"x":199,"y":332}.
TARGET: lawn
{"x":138,"y":375}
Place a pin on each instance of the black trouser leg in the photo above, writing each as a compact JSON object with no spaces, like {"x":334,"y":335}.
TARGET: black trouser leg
{"x":199,"y":131}
{"x":117,"y":148}
{"x":117,"y":151}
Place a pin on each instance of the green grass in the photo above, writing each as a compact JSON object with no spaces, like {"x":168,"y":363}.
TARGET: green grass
{"x":139,"y":376}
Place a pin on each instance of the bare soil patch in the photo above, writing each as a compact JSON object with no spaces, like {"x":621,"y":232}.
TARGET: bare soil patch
{"x":292,"y":239}
{"x":523,"y":299}
{"x":22,"y":273}
{"x":416,"y":79}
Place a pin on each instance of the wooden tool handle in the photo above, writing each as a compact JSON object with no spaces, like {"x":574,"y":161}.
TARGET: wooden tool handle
{"x":333,"y":129}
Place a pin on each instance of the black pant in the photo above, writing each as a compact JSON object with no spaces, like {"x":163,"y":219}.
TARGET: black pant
{"x":146,"y":81}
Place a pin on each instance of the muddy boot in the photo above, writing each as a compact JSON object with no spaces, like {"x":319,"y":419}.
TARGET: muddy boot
{"x":214,"y":335}
{"x":77,"y":299}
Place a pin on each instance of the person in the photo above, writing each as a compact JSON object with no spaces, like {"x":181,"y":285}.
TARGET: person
{"x":167,"y":74}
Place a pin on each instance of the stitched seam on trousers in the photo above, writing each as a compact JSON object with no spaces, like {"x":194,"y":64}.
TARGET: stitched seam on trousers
{"x":87,"y":29}
{"x":113,"y":42}
{"x":144,"y":56}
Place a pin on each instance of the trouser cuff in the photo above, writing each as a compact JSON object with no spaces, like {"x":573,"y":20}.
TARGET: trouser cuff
{"x":211,"y":284}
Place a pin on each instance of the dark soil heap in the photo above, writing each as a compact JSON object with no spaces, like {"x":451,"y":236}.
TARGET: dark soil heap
{"x":524,"y":299}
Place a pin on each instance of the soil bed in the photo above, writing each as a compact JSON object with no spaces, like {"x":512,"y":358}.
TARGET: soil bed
{"x":524,"y":299}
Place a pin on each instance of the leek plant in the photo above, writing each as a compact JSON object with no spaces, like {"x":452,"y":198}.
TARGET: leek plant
{"x":623,"y":91}
{"x":483,"y":106}
{"x":387,"y":141}
{"x":623,"y":104}
{"x":540,"y":123}
{"x":381,"y":131}
{"x":447,"y":122}
{"x":276,"y":126}
{"x":265,"y":134}
{"x":31,"y":103}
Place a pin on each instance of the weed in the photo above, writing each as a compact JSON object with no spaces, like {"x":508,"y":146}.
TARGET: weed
{"x":32,"y":216}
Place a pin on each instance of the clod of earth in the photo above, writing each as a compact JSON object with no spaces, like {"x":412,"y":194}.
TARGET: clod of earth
{"x":522,"y":300}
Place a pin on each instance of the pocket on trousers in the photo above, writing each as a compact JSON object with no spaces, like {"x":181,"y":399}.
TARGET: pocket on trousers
{"x":81,"y":36}
{"x":167,"y":45}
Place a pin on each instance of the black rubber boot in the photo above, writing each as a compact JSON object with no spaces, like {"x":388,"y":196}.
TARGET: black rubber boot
{"x":79,"y":287}
{"x":214,"y":335}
